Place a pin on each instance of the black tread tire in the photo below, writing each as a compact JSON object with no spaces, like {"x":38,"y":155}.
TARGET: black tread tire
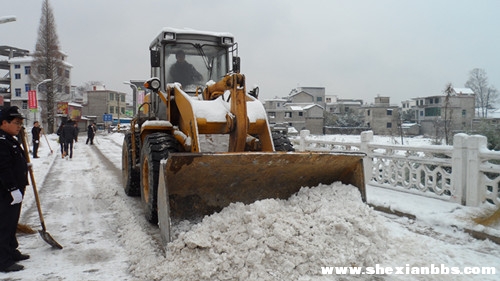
{"x":130,"y":171}
{"x":281,"y":142}
{"x":156,"y":147}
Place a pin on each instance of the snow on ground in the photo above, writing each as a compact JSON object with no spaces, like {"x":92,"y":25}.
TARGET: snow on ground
{"x":105,"y":236}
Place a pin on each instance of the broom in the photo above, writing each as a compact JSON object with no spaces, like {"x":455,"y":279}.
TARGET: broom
{"x":489,"y":220}
{"x":51,"y":151}
{"x":24,"y":228}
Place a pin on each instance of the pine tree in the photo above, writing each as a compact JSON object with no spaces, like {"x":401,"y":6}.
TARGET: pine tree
{"x":48,"y":63}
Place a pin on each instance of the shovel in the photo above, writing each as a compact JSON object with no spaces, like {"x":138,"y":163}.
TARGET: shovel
{"x":45,"y":235}
{"x":51,"y":151}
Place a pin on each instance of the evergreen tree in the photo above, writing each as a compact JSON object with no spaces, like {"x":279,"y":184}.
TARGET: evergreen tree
{"x":48,"y":63}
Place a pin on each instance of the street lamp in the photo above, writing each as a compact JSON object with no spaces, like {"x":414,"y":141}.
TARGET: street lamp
{"x":134,"y":95}
{"x":7,"y":19}
{"x":37,"y":92}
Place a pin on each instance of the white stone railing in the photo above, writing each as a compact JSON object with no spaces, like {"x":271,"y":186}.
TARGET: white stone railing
{"x":462,"y":173}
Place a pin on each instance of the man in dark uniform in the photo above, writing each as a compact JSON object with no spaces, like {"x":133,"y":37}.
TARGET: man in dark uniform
{"x":69,"y":134}
{"x":35,"y":132}
{"x":90,"y":133}
{"x":13,"y":181}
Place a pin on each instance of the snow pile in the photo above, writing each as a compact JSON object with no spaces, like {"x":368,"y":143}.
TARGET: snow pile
{"x":327,"y":225}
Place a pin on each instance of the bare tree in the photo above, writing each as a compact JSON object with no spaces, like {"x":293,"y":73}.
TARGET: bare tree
{"x":486,"y":95}
{"x":447,"y":113}
{"x":48,"y":64}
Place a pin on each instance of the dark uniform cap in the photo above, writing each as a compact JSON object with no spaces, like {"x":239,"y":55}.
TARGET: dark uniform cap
{"x":11,"y":112}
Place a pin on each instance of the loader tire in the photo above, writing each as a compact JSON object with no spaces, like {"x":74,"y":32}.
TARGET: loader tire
{"x":156,"y":147}
{"x":130,"y":171}
{"x":281,"y":142}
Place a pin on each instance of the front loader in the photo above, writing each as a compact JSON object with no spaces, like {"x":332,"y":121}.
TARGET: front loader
{"x":196,"y":147}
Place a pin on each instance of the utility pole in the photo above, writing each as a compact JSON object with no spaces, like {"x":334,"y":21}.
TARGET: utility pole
{"x":37,"y":95}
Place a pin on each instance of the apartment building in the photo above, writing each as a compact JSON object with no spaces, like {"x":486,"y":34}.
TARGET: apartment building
{"x":382,"y":117}
{"x":457,"y":110}
{"x":101,"y":101}
{"x":299,"y":110}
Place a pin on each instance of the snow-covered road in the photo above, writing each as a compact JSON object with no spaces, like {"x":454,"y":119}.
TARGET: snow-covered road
{"x":105,"y":236}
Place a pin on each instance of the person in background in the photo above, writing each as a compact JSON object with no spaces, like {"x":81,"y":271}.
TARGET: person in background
{"x":69,"y":134}
{"x":13,"y":181}
{"x":35,"y":132}
{"x":90,"y":133}
{"x":61,"y":141}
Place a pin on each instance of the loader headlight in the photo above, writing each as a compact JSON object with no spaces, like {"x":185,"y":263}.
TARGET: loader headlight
{"x":227,"y":41}
{"x":153,"y":84}
{"x":169,"y":36}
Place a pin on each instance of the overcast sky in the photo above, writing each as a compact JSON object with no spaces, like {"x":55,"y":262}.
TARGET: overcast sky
{"x":354,"y":48}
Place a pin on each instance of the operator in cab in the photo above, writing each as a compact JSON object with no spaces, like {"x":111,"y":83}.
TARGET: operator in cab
{"x":182,"y":71}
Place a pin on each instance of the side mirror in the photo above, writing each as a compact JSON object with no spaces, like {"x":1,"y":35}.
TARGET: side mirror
{"x":155,"y":58}
{"x":236,"y":64}
{"x":254,"y":92}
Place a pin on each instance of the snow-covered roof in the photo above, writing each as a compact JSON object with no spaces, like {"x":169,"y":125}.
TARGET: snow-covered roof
{"x":29,"y":59}
{"x":301,"y":92}
{"x":463,"y":91}
{"x":311,"y":106}
{"x":21,"y":59}
{"x":187,"y":30}
{"x":75,"y":104}
{"x":296,"y":108}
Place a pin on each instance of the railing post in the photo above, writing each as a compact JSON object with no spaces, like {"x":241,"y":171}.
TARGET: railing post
{"x":303,"y":135}
{"x":366,"y":138}
{"x":459,"y":168}
{"x":475,"y":190}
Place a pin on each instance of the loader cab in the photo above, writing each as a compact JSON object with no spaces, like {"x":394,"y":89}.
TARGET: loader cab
{"x":192,"y":58}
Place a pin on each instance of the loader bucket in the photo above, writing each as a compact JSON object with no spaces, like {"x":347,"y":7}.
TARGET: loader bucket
{"x":199,"y":184}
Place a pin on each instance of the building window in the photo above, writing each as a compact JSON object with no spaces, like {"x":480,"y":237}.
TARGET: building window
{"x":17,"y":66}
{"x":421,"y":113}
{"x":17,"y":76}
{"x":464,"y":112}
{"x":27,"y":70}
{"x":433,"y":111}
{"x":389,"y":111}
{"x":389,"y":125}
{"x":27,"y":87}
{"x":18,"y":92}
{"x":111,"y":96}
{"x":24,"y":105}
{"x":368,"y":112}
{"x":288,"y":114}
{"x":301,"y":113}
{"x":432,"y":101}
{"x":111,"y":109}
{"x":319,"y":99}
{"x":66,"y":73}
{"x":436,"y":100}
